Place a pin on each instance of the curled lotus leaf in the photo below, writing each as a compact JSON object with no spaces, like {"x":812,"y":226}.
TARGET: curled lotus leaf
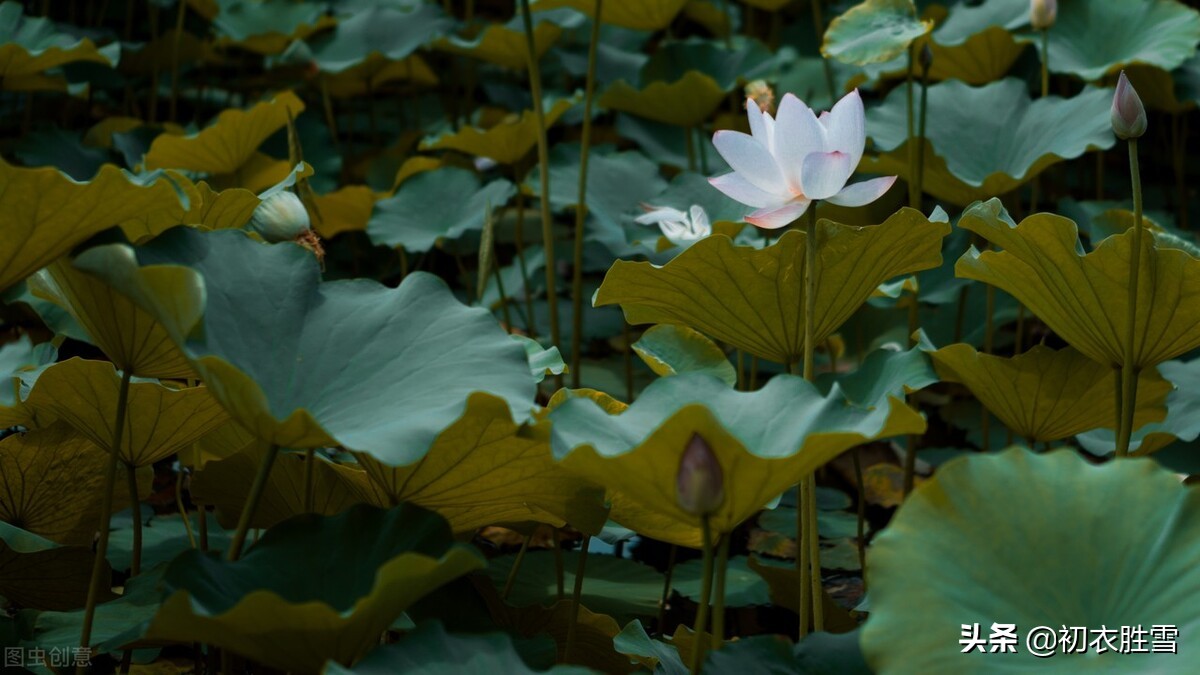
{"x":873,"y":31}
{"x":648,"y":15}
{"x":29,"y":46}
{"x":378,"y":29}
{"x":504,"y":44}
{"x":507,"y":142}
{"x":673,"y":350}
{"x":264,"y":27}
{"x":685,"y":102}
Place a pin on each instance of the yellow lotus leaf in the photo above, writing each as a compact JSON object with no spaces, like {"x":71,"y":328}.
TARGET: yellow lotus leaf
{"x":1084,"y":298}
{"x":376,"y":71}
{"x":754,"y":299}
{"x":157,"y":55}
{"x":1047,"y":395}
{"x":51,"y":481}
{"x":46,"y":213}
{"x":346,"y":210}
{"x":413,"y":166}
{"x":100,"y":135}
{"x":33,"y":45}
{"x":229,"y":144}
{"x":686,"y":102}
{"x":502,"y":45}
{"x":268,"y":44}
{"x":649,"y":15}
{"x":507,"y":142}
{"x":768,"y":5}
{"x":226,"y":209}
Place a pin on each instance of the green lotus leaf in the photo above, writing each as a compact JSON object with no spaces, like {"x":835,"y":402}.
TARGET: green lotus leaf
{"x":504,"y":44}
{"x":753,"y":298}
{"x":993,"y":138}
{"x":30,"y":46}
{"x":765,"y":441}
{"x":507,"y":142}
{"x":430,"y":649}
{"x":648,"y":15}
{"x":378,"y":28}
{"x":46,"y":213}
{"x":440,"y":204}
{"x":267,"y":355}
{"x":266,"y":27}
{"x":542,"y":361}
{"x":873,"y":31}
{"x":674,"y":350}
{"x":1094,"y":39}
{"x":741,"y":61}
{"x":375,"y":72}
{"x":267,"y":608}
{"x":36,"y":573}
{"x":15,"y":358}
{"x":1182,"y":421}
{"x":1021,"y":538}
{"x":118,"y":623}
{"x":743,"y":586}
{"x":617,"y":182}
{"x":163,"y":538}
{"x":51,"y":484}
{"x":685,"y":102}
{"x":620,"y":588}
{"x":1084,"y":298}
{"x":884,"y":373}
{"x":1046,"y":395}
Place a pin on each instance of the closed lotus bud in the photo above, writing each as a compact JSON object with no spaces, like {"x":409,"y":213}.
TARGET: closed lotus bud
{"x":1042,"y":13}
{"x":281,"y":217}
{"x":1128,"y":113}
{"x":925,"y":58}
{"x":700,"y":484}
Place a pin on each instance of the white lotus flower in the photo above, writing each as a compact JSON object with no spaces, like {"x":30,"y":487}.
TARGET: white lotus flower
{"x":796,"y":158}
{"x":681,"y":229}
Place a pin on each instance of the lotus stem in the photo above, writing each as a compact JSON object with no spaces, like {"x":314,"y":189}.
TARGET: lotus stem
{"x":819,"y":27}
{"x":666,"y":593}
{"x":135,"y":562}
{"x":504,"y":297}
{"x":577,"y":592}
{"x":729,"y":24}
{"x":861,"y":505}
{"x":310,"y":456}
{"x":1045,"y":62}
{"x":802,"y":563}
{"x":179,"y":16}
{"x":701,"y":136}
{"x":718,"y":615}
{"x":1129,"y":367}
{"x":330,"y":118}
{"x":921,"y":131}
{"x":535,"y":85}
{"x":512,"y":572}
{"x":106,"y":503}
{"x":187,"y":523}
{"x":519,"y":243}
{"x":581,"y":209}
{"x":985,"y":421}
{"x":706,"y":578}
{"x":690,"y":144}
{"x":814,"y":557}
{"x":914,"y":194}
{"x":251,"y":505}
{"x":810,"y":290}
{"x":558,"y":564}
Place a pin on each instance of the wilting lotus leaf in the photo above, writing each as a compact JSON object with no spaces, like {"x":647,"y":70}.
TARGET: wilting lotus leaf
{"x":265,"y":27}
{"x":348,"y":209}
{"x":508,"y":142}
{"x":51,"y":481}
{"x":269,"y":609}
{"x":36,"y":573}
{"x":623,"y":589}
{"x":1182,"y":421}
{"x":1047,"y":395}
{"x":230,"y":144}
{"x":753,"y":298}
{"x":873,"y":31}
{"x":29,"y":46}
{"x":375,"y":72}
{"x":435,"y":205}
{"x":674,"y":350}
{"x":1012,"y":539}
{"x":765,"y":441}
{"x":504,"y":44}
{"x":269,"y":354}
{"x":1084,"y":298}
{"x":685,"y":102}
{"x":650,"y":15}
{"x":993,"y":138}
{"x":377,"y":28}
{"x":430,"y":649}
{"x":1094,"y":39}
{"x":46,"y":213}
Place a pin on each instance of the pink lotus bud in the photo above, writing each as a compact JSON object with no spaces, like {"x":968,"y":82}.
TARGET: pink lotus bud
{"x":700,"y":484}
{"x":1042,"y":13}
{"x":1128,"y":113}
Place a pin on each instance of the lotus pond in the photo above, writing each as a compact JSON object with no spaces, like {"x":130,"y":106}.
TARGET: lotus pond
{"x":614,"y":336}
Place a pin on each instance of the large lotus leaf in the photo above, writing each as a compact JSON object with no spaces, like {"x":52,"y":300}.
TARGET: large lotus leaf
{"x":873,"y":31}
{"x":685,"y":102}
{"x":507,"y":142}
{"x":765,"y":441}
{"x":883,"y":373}
{"x":620,"y":588}
{"x":1182,"y":421}
{"x":992,"y":138}
{"x":46,"y":213}
{"x":673,"y":350}
{"x":1084,"y":298}
{"x":429,"y":649}
{"x":228,"y":145}
{"x":740,"y":61}
{"x":270,"y":609}
{"x":163,"y":538}
{"x":1034,"y":540}
{"x":649,"y":15}
{"x":272,"y":343}
{"x":266,"y":26}
{"x":29,"y":46}
{"x":1047,"y":395}
{"x":378,"y":28}
{"x":753,"y":298}
{"x":617,"y":183}
{"x":347,"y":209}
{"x":1094,"y":39}
{"x":376,"y":71}
{"x":146,"y":58}
{"x":440,"y":204}
{"x":36,"y":573}
{"x":51,"y":482}
{"x":504,"y":45}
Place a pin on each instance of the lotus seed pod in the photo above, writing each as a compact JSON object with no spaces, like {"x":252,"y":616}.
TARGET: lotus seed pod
{"x":1042,"y":13}
{"x":700,"y":484}
{"x":281,"y":217}
{"x":1128,"y":113}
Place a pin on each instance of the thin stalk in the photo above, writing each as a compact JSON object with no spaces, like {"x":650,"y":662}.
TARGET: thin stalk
{"x":535,"y":85}
{"x":558,"y":564}
{"x":251,"y":505}
{"x":985,"y":422}
{"x":512,"y":572}
{"x":810,"y":294}
{"x":310,"y":457}
{"x":700,"y":136}
{"x":910,"y":455}
{"x":802,"y":563}
{"x":187,"y":523}
{"x":924,"y":110}
{"x":1129,"y":370}
{"x":504,"y":297}
{"x":1045,"y":62}
{"x":202,"y":517}
{"x":718,"y":613}
{"x":581,"y":210}
{"x":706,"y":577}
{"x":914,"y":197}
{"x":810,"y":290}
{"x":690,"y":145}
{"x":519,"y":242}
{"x":580,"y":568}
{"x":330,"y":118}
{"x":106,"y":503}
{"x":814,"y":556}
{"x":862,"y":515}
{"x":819,"y":27}
{"x":728,"y":24}
{"x":626,"y":337}
{"x":666,"y":593}
{"x":135,"y":563}
{"x":179,"y":16}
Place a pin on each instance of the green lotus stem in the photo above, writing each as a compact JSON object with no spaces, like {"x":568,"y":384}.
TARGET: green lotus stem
{"x":310,"y":457}
{"x":1045,"y":62}
{"x":251,"y":505}
{"x":914,"y":197}
{"x":819,"y":27}
{"x":807,"y":532}
{"x":921,"y":131}
{"x":802,"y":550}
{"x":403,"y":254}
{"x":1129,"y":369}
{"x":135,"y":562}
{"x":703,"y":153}
{"x":960,"y":315}
{"x":666,"y":592}
{"x":535,"y":85}
{"x":558,"y":564}
{"x":718,"y":614}
{"x":330,"y":118}
{"x":512,"y":572}
{"x":97,"y":581}
{"x":187,"y":523}
{"x":577,"y":592}
{"x":179,"y":16}
{"x":581,"y":209}
{"x":814,"y":556}
{"x":519,"y":243}
{"x":202,"y":516}
{"x":985,"y":422}
{"x":810,"y":290}
{"x":690,"y":144}
{"x":753,"y":373}
{"x":706,"y":578}
{"x":861,"y":539}
{"x":503,"y":296}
